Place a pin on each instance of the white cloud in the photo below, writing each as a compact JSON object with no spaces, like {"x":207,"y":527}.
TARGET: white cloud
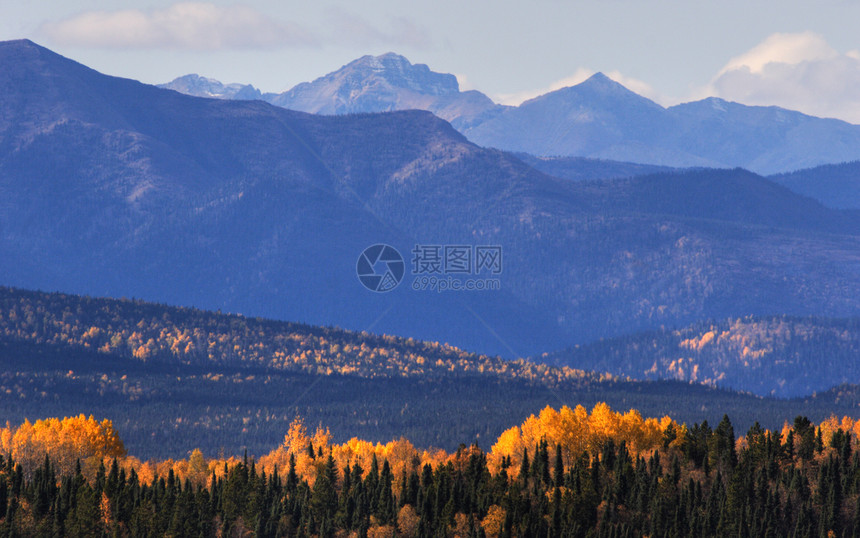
{"x":186,"y":25}
{"x":514,"y":99}
{"x":782,"y":48}
{"x":642,"y":88}
{"x":795,"y":71}
{"x":464,"y":82}
{"x":354,"y":30}
{"x":579,"y":76}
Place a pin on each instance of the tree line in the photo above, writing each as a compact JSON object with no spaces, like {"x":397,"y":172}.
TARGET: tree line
{"x":550,"y":476}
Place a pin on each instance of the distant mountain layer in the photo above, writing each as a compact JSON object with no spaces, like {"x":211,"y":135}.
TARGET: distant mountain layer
{"x":369,"y":84}
{"x":170,"y":378}
{"x":110,"y":187}
{"x":598,"y":118}
{"x":834,"y":185}
{"x":776,"y":356}
{"x":207,"y":87}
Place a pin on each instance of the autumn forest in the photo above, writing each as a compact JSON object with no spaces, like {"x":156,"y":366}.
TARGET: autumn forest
{"x":566,"y":472}
{"x":319,"y":431}
{"x":205,"y":330}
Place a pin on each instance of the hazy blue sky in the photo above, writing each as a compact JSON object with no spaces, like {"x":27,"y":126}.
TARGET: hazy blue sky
{"x":798,"y":54}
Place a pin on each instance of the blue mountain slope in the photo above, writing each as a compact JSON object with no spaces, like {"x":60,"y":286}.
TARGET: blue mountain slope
{"x":114,"y":188}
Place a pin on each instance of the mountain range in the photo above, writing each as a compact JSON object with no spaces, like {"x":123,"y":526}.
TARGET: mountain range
{"x":833,"y":185}
{"x":369,"y":84}
{"x":115,"y":188}
{"x":598,"y":118}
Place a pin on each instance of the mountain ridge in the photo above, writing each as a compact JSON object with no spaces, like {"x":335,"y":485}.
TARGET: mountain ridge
{"x":381,"y":84}
{"x":834,"y":185}
{"x":597,"y":118}
{"x":197,"y":86}
{"x":114,"y":188}
{"x":765,"y":355}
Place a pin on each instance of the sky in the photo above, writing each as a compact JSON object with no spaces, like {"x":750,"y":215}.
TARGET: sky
{"x":801,"y":55}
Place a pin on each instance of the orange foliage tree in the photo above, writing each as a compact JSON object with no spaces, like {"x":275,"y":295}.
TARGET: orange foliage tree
{"x":66,"y":441}
{"x":578,"y":431}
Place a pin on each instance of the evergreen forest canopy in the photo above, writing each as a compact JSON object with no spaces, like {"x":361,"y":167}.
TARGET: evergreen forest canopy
{"x":563,"y":472}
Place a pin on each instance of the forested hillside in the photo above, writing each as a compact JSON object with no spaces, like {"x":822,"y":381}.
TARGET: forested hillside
{"x":583,"y":168}
{"x":165,"y":375}
{"x":146,"y":332}
{"x":834,"y":185}
{"x":782,"y":356}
